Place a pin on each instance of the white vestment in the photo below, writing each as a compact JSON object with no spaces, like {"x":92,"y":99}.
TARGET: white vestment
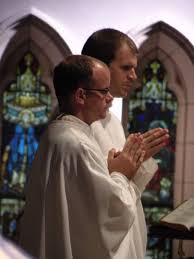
{"x":9,"y":250}
{"x":74,"y":208}
{"x":109,"y":134}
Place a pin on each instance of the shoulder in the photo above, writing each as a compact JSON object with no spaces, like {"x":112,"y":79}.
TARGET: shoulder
{"x":109,"y":121}
{"x":65,"y":138}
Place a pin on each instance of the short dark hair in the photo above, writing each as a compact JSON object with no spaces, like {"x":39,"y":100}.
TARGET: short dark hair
{"x":104,"y":43}
{"x":70,"y":74}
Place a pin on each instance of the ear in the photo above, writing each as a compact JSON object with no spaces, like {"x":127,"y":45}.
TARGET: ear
{"x":80,"y":96}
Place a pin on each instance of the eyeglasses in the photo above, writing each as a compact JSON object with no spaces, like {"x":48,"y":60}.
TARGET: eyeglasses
{"x":103,"y":91}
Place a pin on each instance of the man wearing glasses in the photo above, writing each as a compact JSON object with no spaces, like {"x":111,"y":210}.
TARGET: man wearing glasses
{"x":79,"y":205}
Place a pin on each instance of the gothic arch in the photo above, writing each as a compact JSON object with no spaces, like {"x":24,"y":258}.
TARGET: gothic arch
{"x":177,"y":55}
{"x":165,"y":43}
{"x":35,"y":36}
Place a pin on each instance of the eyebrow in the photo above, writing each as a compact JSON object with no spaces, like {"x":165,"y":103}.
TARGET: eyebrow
{"x":128,"y":66}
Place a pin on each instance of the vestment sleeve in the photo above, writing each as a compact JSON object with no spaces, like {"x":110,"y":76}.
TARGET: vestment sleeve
{"x":115,"y":200}
{"x":101,"y":207}
{"x":146,"y":170}
{"x":145,"y":173}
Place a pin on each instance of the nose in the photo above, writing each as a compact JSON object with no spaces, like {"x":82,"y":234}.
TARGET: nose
{"x":132,"y":74}
{"x":109,"y":97}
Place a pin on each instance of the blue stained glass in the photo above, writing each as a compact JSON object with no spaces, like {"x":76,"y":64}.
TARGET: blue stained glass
{"x":12,"y":226}
{"x":141,"y":117}
{"x":26,"y":111}
{"x":151,"y":106}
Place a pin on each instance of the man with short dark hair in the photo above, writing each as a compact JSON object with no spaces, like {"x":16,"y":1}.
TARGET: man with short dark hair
{"x":119,"y":52}
{"x":78,"y":205}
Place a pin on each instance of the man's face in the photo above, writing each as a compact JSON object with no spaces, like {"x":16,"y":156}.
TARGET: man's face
{"x":122,"y":70}
{"x":99,"y":98}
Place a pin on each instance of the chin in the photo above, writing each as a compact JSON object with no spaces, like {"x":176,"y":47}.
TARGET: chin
{"x":110,"y":105}
{"x":103,"y":115}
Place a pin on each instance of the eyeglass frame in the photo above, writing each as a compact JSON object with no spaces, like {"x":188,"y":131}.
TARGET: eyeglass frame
{"x":104,"y":91}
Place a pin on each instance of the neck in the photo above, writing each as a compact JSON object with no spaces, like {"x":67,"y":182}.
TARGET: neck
{"x":77,"y":111}
{"x":84,"y":117}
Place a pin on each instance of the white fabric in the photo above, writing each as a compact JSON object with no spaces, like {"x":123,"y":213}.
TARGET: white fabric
{"x":109,"y":134}
{"x":8,"y":250}
{"x":74,"y":208}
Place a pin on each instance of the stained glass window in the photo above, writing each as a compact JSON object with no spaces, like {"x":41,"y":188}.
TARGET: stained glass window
{"x":26,"y":110}
{"x":155,"y":105}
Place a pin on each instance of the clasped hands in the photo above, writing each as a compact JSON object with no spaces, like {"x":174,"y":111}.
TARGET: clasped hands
{"x":138,"y":148}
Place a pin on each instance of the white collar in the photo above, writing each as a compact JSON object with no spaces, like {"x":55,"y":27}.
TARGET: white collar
{"x":74,"y":121}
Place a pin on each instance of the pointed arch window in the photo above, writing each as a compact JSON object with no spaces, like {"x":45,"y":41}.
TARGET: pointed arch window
{"x":26,"y":110}
{"x":155,"y":105}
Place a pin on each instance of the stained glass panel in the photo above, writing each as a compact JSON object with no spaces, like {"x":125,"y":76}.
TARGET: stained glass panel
{"x":10,"y":209}
{"x":26,"y":111}
{"x":155,"y":105}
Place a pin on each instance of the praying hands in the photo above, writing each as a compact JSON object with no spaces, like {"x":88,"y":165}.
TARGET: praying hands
{"x":152,"y":141}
